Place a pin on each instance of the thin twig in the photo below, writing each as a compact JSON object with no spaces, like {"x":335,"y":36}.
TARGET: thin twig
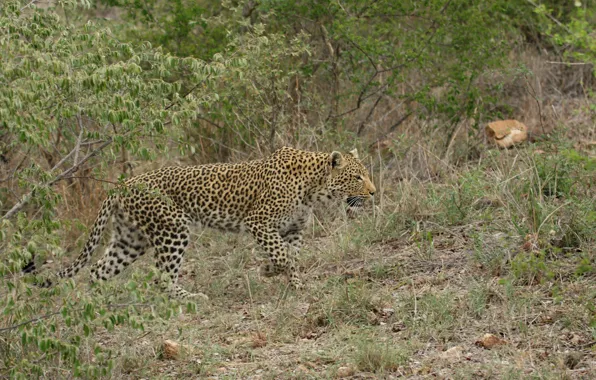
{"x":370,"y":113}
{"x":551,"y":17}
{"x":189,"y":92}
{"x":78,"y":145}
{"x":28,"y":4}
{"x":432,"y":31}
{"x":46,"y":316}
{"x":92,"y":178}
{"x":210,"y":122}
{"x":392,"y":128}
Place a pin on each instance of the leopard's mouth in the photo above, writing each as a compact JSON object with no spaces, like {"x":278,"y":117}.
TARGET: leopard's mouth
{"x":355,"y":201}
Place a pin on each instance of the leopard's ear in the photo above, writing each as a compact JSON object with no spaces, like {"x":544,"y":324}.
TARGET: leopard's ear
{"x":354,"y":153}
{"x":337,"y":160}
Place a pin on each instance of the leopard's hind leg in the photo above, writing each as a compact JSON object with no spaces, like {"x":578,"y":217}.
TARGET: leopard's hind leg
{"x":126,"y":245}
{"x":167,"y":229}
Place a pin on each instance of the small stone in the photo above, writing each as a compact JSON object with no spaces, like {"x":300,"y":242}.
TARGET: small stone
{"x":452,"y":353}
{"x":489,"y":341}
{"x":576,"y":339}
{"x":302,"y":309}
{"x":343,"y":372}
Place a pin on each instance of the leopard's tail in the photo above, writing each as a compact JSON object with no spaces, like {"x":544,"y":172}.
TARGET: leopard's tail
{"x":107,"y":209}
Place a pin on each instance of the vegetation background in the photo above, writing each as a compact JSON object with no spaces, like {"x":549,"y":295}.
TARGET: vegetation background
{"x":462,"y":240}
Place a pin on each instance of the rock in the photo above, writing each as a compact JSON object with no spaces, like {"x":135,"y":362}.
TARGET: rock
{"x":572,"y":359}
{"x":373,"y":319}
{"x":398,"y":326}
{"x":452,"y":353}
{"x":301,"y":370}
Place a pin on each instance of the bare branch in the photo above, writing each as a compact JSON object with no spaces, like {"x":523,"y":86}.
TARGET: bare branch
{"x":363,"y":93}
{"x":392,"y":128}
{"x":27,"y":197}
{"x":367,"y":118}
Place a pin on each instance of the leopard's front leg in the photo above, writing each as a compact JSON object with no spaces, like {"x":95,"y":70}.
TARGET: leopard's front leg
{"x":292,"y":233}
{"x":280,"y":257}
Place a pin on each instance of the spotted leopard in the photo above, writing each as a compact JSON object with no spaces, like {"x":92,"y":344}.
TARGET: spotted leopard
{"x":270,"y":198}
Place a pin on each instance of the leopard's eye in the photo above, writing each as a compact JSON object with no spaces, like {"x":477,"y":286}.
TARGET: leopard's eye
{"x":358,"y":177}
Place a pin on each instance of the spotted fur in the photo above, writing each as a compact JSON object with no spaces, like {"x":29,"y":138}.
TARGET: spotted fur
{"x":270,"y":198}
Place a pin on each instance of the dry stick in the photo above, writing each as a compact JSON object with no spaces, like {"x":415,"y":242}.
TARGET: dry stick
{"x":456,"y":129}
{"x":569,"y":63}
{"x":361,"y":96}
{"x":452,"y":141}
{"x":27,"y":197}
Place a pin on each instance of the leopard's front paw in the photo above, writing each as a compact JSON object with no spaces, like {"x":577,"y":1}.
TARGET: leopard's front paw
{"x":296,"y":284}
{"x":268,"y":270}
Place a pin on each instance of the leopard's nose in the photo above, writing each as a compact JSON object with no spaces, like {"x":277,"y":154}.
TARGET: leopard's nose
{"x":371,"y":193}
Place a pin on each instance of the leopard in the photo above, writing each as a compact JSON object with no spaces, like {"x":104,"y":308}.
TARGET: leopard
{"x":270,"y":198}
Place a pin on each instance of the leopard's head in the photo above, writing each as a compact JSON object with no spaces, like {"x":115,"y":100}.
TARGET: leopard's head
{"x":351,"y":181}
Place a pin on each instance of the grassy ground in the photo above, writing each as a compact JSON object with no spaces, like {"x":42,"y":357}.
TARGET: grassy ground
{"x":410,"y":287}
